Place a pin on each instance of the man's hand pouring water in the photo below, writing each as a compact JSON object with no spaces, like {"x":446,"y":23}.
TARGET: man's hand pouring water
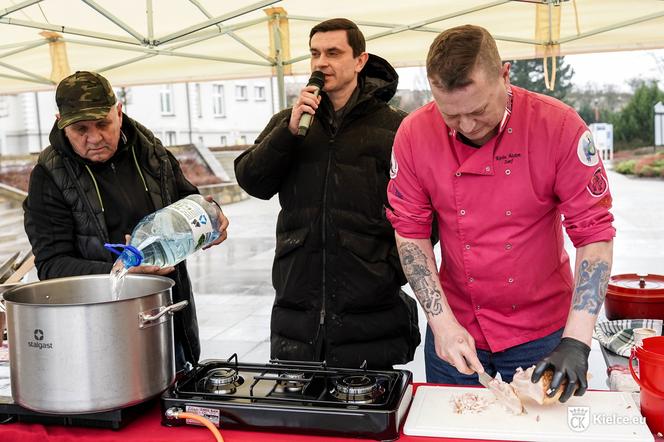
{"x":223,"y":234}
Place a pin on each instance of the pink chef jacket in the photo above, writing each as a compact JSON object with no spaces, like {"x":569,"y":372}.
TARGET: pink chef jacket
{"x":504,"y":270}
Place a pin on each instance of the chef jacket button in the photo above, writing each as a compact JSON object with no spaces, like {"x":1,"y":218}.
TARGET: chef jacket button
{"x":462,"y":212}
{"x":467,"y":246}
{"x":507,"y":171}
{"x":471,"y":279}
{"x":477,"y":307}
{"x":508,"y":213}
{"x":458,"y":174}
{"x":513,"y":306}
{"x":487,"y":169}
{"x":509,"y":130}
{"x":450,"y":133}
{"x":510,"y":280}
{"x":508,"y":246}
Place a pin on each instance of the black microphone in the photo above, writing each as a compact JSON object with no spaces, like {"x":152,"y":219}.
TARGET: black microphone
{"x":317,"y":79}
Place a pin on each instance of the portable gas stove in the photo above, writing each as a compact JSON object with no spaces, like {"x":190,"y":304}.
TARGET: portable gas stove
{"x":300,"y":397}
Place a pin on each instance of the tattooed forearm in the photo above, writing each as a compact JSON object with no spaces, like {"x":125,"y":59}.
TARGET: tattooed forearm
{"x":591,"y":285}
{"x":414,"y":263}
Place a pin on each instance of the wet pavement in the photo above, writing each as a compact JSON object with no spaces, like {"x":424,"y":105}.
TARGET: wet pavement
{"x":234,"y":293}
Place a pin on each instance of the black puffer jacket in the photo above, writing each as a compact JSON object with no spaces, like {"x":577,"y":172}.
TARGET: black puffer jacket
{"x":336,"y":270}
{"x":67,"y":226}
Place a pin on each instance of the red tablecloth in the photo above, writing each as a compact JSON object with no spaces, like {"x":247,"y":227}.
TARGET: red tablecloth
{"x":148,"y":428}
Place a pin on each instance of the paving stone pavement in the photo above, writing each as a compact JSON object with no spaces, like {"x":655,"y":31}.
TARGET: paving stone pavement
{"x":234,"y":292}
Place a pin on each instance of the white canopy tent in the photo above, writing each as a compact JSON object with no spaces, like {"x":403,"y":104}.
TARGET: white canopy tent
{"x":151,"y":41}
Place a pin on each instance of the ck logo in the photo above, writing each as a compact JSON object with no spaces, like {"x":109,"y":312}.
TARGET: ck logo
{"x":578,"y":418}
{"x":39,"y":334}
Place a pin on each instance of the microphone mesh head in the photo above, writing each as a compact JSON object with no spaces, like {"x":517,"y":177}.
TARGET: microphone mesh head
{"x":317,"y":79}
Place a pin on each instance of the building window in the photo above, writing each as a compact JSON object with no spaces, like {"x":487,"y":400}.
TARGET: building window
{"x":240,"y":93}
{"x":170,"y":138}
{"x":198,"y":98}
{"x":242,"y":140}
{"x":166,"y":99}
{"x":224,"y":140}
{"x":259,"y":93}
{"x":218,"y":108}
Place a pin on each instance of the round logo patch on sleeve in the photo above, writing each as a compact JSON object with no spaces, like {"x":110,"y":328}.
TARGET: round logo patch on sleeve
{"x":394,"y":167}
{"x":586,"y":150}
{"x":597,"y":185}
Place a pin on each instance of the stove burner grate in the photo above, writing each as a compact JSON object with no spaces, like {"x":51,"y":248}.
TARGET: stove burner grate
{"x":291,"y":382}
{"x":222,"y":381}
{"x":357,"y":389}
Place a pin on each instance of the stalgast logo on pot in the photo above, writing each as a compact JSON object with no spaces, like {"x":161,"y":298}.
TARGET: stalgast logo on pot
{"x":39,"y":340}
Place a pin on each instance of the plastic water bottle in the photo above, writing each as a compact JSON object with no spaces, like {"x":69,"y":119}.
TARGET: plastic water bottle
{"x":169,"y":235}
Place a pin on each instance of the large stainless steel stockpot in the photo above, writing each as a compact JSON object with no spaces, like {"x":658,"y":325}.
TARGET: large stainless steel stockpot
{"x":73,"y":348}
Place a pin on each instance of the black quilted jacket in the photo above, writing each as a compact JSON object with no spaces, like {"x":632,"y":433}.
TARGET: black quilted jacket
{"x":336,"y":270}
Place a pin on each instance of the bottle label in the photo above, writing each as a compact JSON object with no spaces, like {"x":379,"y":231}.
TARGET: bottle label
{"x":198,"y":220}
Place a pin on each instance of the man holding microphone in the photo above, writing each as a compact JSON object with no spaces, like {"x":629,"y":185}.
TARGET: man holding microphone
{"x":336,"y":270}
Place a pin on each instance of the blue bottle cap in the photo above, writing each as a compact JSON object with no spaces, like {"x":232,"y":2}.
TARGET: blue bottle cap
{"x":130,"y":255}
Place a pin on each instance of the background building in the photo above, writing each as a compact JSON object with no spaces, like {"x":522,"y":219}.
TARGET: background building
{"x":218,"y":113}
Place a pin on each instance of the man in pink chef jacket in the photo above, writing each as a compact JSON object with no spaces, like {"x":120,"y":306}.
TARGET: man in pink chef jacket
{"x":497,"y":166}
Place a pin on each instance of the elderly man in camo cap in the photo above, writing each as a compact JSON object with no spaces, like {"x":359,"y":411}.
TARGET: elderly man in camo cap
{"x":101,"y":174}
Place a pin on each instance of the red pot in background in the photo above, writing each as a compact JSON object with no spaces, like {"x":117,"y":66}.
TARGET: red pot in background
{"x":635,"y":296}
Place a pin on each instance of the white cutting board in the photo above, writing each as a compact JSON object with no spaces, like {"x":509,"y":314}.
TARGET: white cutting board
{"x":432,"y":414}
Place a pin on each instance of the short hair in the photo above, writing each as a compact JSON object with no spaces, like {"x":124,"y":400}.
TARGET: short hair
{"x":353,"y":34}
{"x":456,"y":52}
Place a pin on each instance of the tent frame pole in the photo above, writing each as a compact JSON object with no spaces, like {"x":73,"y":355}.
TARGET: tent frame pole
{"x":68,"y":30}
{"x":279,"y":61}
{"x":36,"y":77}
{"x":176,"y":36}
{"x":232,"y":34}
{"x":623,"y":24}
{"x":122,"y":25}
{"x":18,"y":7}
{"x":149,"y":12}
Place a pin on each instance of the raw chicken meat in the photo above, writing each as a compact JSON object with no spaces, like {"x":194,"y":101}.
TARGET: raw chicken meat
{"x":469,"y":403}
{"x":525,"y":389}
{"x":506,"y":395}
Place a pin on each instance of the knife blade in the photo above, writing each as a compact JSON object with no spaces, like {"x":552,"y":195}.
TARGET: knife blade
{"x":484,"y":379}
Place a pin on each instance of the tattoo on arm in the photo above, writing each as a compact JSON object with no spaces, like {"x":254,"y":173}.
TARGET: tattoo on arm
{"x":592,"y":282}
{"x":414,"y":263}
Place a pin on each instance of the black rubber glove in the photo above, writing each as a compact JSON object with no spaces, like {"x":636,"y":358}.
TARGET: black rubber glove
{"x":569,"y":360}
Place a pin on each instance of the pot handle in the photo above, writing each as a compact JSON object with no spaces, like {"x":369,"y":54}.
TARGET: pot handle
{"x":145,"y":319}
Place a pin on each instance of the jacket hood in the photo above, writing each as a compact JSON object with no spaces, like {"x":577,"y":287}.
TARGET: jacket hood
{"x":380,"y":79}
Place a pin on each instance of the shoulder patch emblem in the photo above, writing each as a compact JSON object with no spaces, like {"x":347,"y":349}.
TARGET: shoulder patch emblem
{"x":598,"y":184}
{"x":394,"y":167}
{"x":586,"y":150}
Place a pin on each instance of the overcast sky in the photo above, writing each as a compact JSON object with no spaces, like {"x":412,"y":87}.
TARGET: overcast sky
{"x":617,"y":67}
{"x":601,"y":68}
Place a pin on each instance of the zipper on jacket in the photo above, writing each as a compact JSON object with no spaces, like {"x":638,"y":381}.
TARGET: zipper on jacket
{"x":324,"y":230}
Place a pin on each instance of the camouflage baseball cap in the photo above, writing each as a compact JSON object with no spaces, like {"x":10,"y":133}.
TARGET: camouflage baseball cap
{"x":83,"y":96}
